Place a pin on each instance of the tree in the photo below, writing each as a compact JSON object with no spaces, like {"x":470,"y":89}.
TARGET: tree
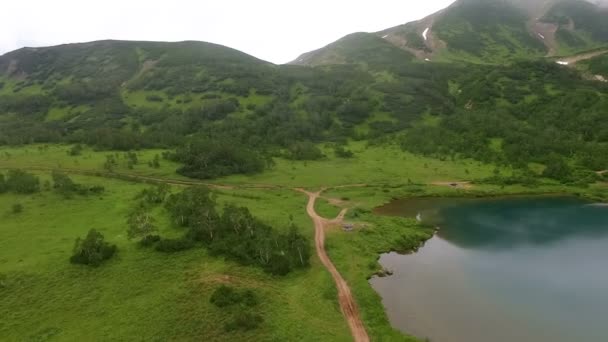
{"x":110,"y":163}
{"x":63,"y":184}
{"x":132,"y":159}
{"x":304,"y":151}
{"x":141,"y":224}
{"x":155,"y":163}
{"x":75,"y":150}
{"x":156,"y":195}
{"x":92,"y":250}
{"x":298,"y":247}
{"x":557,"y":168}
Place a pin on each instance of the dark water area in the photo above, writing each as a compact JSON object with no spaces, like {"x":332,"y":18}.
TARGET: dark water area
{"x":506,"y":269}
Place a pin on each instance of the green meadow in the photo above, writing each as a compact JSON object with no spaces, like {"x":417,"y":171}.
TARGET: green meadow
{"x":143,"y":294}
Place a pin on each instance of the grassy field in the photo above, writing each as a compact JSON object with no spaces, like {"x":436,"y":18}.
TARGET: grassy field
{"x":145,"y":295}
{"x":371,"y":165}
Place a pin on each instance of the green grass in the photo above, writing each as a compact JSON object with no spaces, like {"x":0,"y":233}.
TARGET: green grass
{"x":142,"y":294}
{"x":326,"y":209}
{"x":56,"y":157}
{"x":356,"y":254}
{"x":371,"y":165}
{"x":145,"y":295}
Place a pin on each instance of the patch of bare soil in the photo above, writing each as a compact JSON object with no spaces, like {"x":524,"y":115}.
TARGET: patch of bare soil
{"x":455,"y":185}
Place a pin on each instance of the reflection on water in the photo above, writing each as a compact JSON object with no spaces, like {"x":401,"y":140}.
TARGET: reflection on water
{"x":519,"y":269}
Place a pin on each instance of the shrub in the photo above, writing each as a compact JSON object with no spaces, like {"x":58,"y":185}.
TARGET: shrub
{"x":63,"y":184}
{"x":341,"y":152}
{"x":22,"y":182}
{"x":225,"y":296}
{"x":92,"y":250}
{"x":3,"y":185}
{"x":174,"y":245}
{"x":17,"y":208}
{"x":76,"y":150}
{"x":304,"y":151}
{"x":149,"y":240}
{"x":154,"y":98}
{"x":244,"y":321}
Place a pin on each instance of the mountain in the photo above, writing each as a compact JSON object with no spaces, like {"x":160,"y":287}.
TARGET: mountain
{"x":494,"y":32}
{"x":501,"y":103}
{"x":355,"y":48}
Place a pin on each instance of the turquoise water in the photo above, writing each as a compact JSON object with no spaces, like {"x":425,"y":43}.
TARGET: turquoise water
{"x":511,"y":269}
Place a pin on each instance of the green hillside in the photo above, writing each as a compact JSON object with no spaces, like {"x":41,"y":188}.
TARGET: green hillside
{"x":356,"y":48}
{"x":581,"y":25}
{"x":487,"y":31}
{"x":196,"y":97}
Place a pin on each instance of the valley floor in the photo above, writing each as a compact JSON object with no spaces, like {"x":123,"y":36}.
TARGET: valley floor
{"x":143,"y":294}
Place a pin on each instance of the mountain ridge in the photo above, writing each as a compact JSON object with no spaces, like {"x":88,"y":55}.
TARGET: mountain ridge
{"x":496,"y":32}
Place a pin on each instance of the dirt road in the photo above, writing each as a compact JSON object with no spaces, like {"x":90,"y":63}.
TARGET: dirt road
{"x":581,"y":57}
{"x":345,"y":297}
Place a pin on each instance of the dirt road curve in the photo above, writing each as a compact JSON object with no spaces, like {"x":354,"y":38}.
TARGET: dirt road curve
{"x":345,"y":297}
{"x":582,"y":56}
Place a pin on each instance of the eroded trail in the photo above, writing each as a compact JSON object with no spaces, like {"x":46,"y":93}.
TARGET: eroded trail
{"x":345,"y":297}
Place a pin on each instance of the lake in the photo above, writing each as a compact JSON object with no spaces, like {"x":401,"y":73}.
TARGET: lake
{"x":505,"y":269}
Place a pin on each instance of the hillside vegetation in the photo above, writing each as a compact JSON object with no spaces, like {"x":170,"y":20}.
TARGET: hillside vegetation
{"x":224,"y":112}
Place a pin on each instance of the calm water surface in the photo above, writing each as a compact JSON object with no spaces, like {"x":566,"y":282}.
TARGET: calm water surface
{"x":511,"y":269}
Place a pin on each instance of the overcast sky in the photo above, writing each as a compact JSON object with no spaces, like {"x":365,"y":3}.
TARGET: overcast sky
{"x":274,"y":30}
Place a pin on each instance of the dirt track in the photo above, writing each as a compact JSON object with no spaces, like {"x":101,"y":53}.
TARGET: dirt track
{"x":345,"y":297}
{"x":582,"y":56}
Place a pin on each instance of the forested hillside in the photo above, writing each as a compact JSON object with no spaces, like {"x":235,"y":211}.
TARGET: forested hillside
{"x":223,"y":112}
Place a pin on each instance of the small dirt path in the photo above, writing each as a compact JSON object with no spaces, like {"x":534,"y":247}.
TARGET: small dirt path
{"x":151,"y":180}
{"x":345,"y":297}
{"x":455,"y":185}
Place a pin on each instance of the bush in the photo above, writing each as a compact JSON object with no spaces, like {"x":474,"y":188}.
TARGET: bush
{"x":278,"y":265}
{"x":3,"y":185}
{"x":244,"y":321}
{"x":341,"y":152}
{"x":149,"y":240}
{"x":174,"y":245}
{"x":63,"y":184}
{"x":17,"y":208}
{"x":22,"y":182}
{"x":76,"y":150}
{"x":154,"y":98}
{"x":225,"y":296}
{"x":304,"y":151}
{"x":92,"y":250}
